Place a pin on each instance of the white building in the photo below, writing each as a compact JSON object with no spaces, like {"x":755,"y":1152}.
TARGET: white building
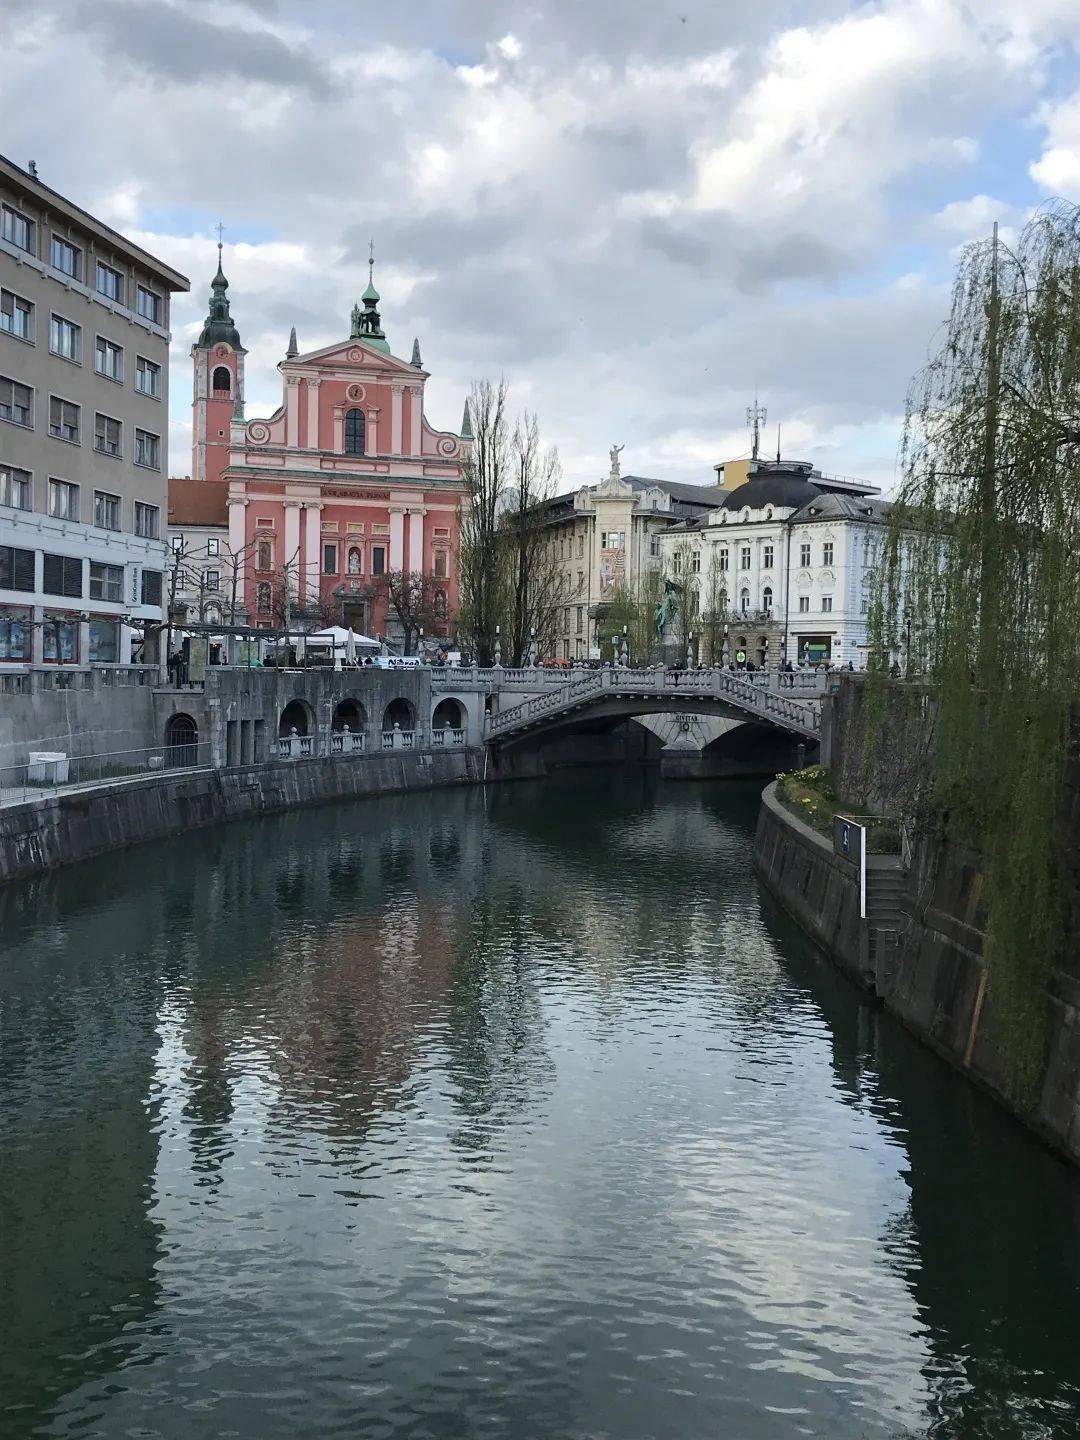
{"x":789,"y":554}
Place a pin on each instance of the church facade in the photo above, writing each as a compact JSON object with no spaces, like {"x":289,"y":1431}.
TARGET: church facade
{"x":340,"y":492}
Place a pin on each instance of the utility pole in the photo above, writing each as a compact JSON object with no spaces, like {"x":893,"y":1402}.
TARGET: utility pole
{"x":756,"y":415}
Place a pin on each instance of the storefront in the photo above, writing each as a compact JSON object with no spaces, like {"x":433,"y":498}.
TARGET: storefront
{"x":15,"y":634}
{"x":813,"y":649}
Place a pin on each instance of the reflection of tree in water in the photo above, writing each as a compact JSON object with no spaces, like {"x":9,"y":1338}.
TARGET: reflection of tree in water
{"x":986,"y":1201}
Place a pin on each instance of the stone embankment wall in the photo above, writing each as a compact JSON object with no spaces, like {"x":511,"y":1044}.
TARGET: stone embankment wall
{"x":74,"y":824}
{"x":937,"y":984}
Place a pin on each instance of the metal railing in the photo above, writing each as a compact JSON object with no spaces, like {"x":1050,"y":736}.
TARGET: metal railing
{"x":53,"y":772}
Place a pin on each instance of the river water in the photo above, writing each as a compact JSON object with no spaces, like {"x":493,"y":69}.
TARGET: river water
{"x":503,"y":1113}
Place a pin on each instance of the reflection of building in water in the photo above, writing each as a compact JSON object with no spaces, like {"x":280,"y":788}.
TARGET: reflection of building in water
{"x":77,"y":1062}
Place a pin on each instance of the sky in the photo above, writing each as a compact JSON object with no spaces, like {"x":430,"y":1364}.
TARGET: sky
{"x":640,"y":214}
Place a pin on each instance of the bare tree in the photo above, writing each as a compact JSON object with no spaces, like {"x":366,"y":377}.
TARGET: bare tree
{"x":532,"y":574}
{"x":417,"y":601}
{"x":714,"y":610}
{"x":487,"y":473}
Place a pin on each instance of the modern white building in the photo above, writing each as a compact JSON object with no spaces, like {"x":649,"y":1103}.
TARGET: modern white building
{"x":786,"y":557}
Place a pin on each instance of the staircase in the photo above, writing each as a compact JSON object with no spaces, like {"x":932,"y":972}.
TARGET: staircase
{"x":886,"y":883}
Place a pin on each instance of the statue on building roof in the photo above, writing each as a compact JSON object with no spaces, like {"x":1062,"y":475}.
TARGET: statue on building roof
{"x":615,"y":452}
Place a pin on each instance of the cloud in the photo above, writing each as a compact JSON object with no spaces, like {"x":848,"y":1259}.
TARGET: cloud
{"x":637,"y":214}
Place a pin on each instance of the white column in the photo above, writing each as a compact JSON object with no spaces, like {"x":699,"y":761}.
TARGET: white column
{"x":313,"y":414}
{"x":396,"y":392}
{"x":312,"y":537}
{"x":339,"y":429}
{"x":416,"y":407}
{"x":237,"y":539}
{"x":292,"y":409}
{"x":371,"y":439}
{"x":416,"y":540}
{"x":397,"y":539}
{"x":291,"y":555}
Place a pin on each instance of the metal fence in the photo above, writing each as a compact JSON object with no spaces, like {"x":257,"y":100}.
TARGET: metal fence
{"x":52,"y":772}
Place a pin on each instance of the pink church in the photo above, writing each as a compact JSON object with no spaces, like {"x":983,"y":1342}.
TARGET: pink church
{"x":346,"y":481}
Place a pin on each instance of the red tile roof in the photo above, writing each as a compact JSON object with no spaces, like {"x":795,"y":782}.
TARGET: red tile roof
{"x":198,"y":502}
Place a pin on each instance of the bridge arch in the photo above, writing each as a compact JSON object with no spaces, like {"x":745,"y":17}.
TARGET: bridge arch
{"x":448,"y":713}
{"x":181,"y":740}
{"x":349,"y":714}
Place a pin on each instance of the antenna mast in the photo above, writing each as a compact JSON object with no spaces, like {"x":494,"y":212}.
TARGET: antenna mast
{"x":756,"y":415}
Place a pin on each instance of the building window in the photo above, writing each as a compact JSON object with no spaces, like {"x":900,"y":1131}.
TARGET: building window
{"x":63,"y":419}
{"x":16,"y":403}
{"x":151,"y":587}
{"x":442,"y":565}
{"x":579,"y":623}
{"x":15,"y":487}
{"x":676,"y":562}
{"x":744,"y":557}
{"x":212,"y":546}
{"x":146,"y":520}
{"x":106,"y":582}
{"x":804,"y":604}
{"x":356,"y":560}
{"x":147,"y":450}
{"x":378,"y":560}
{"x":15,"y":633}
{"x":804,"y":554}
{"x":329,"y":559}
{"x":612,"y":539}
{"x":262,"y":597}
{"x":744,"y":602}
{"x":440,"y":604}
{"x":60,"y":640}
{"x":17,"y":229}
{"x":767,"y":557}
{"x":106,"y":510}
{"x":110,"y":283}
{"x":354,"y":432}
{"x":695,"y":562}
{"x":65,"y":339}
{"x":107,"y":436}
{"x":16,"y":568}
{"x":104,"y":638}
{"x":264,"y":555}
{"x":62,"y":575}
{"x":827,"y":553}
{"x":222,"y":381}
{"x":581,"y":547}
{"x":16,"y":315}
{"x":148,"y":304}
{"x":766,"y":598}
{"x":177,"y":543}
{"x":147,"y":377}
{"x":108,"y":359}
{"x":211,"y":580}
{"x":723,"y":553}
{"x":65,"y":257}
{"x":654,"y":546}
{"x":826,"y":604}
{"x":63,"y":500}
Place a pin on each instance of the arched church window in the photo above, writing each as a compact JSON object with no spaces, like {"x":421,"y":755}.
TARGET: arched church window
{"x":354,"y":432}
{"x":222,"y":381}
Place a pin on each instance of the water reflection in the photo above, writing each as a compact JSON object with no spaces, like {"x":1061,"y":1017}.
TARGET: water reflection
{"x":489,"y":1113}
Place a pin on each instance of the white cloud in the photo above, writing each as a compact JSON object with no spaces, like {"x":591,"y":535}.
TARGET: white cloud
{"x":509,"y":47}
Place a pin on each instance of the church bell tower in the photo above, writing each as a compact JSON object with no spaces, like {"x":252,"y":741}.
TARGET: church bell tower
{"x":218,"y":362}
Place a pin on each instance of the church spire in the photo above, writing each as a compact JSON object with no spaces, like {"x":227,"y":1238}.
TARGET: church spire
{"x":466,"y":424}
{"x":219,"y":323}
{"x":293,"y":350}
{"x":366,"y":324}
{"x":416,"y":362}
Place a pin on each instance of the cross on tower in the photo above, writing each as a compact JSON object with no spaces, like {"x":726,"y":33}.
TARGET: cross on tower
{"x":220,"y":231}
{"x":371,"y":262}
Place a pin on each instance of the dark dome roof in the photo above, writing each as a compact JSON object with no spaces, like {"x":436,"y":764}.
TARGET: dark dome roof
{"x":786,"y":490}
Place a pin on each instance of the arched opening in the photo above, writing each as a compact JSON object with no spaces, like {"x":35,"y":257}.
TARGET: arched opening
{"x":744,"y":602}
{"x":354,"y":432}
{"x":349,"y":715}
{"x":356,"y":561}
{"x":181,"y":740}
{"x":766,"y":599}
{"x":295,"y":716}
{"x":222,"y":381}
{"x":448,"y":715}
{"x":401,"y":713}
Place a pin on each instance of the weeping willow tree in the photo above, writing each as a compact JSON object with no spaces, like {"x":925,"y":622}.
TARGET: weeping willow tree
{"x":977,"y":596}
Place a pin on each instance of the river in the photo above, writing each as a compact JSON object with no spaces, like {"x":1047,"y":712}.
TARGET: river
{"x":513,"y":1112}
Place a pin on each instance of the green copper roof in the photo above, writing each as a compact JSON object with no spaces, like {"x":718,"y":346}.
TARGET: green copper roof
{"x":371,"y":294}
{"x":366,"y":324}
{"x":219,"y":327}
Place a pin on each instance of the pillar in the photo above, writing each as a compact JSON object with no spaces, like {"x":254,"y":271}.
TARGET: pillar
{"x":396,"y":392}
{"x":292,"y":409}
{"x":416,"y":541}
{"x":371,"y":439}
{"x":291,"y":559}
{"x":415,"y":414}
{"x":237,"y":541}
{"x":397,"y":539}
{"x":312,"y":556}
{"x":313,"y":414}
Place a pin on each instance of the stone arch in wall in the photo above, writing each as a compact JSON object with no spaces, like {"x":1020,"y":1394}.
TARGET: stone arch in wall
{"x":349,"y":714}
{"x":297,"y":716}
{"x":221,"y":382}
{"x":399,"y":712}
{"x":448,"y":714}
{"x":181,"y":740}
